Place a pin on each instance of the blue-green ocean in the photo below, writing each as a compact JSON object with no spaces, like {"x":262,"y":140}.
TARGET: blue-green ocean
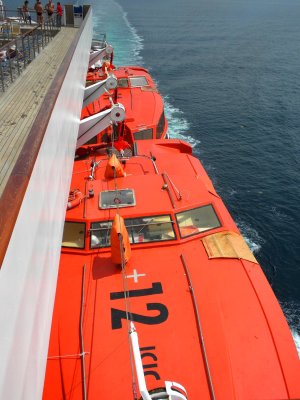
{"x":229,"y":72}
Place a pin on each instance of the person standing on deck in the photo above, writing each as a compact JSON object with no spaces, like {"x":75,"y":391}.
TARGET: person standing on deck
{"x":59,"y":13}
{"x":39,"y":12}
{"x":26,"y":13}
{"x":50,"y":9}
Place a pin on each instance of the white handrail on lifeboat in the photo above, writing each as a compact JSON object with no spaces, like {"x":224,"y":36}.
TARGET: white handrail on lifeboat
{"x":94,"y":91}
{"x":91,"y":126}
{"x":99,"y":54}
{"x":173,"y":389}
{"x":138,"y":363}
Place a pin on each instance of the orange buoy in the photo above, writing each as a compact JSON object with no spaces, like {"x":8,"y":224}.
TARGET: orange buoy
{"x":119,"y":239}
{"x":114,"y":168}
{"x":75,"y":198}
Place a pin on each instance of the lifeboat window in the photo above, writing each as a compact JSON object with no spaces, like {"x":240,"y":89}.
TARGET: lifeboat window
{"x":116,"y":198}
{"x":160,"y":126}
{"x":123,"y":83}
{"x":143,"y":135}
{"x":74,"y":234}
{"x":150,"y":229}
{"x":140,"y":230}
{"x":100,"y":234}
{"x":197,"y":220}
{"x":138,"y":81}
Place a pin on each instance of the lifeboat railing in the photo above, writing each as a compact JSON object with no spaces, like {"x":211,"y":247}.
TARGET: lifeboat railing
{"x":200,"y":331}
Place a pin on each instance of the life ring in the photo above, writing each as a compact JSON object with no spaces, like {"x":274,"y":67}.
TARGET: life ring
{"x":75,"y":198}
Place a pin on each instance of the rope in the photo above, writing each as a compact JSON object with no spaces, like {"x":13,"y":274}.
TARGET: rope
{"x":81,"y":336}
{"x":69,"y":356}
{"x":126,"y":299}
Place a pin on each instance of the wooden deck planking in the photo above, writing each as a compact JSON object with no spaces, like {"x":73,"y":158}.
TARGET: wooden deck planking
{"x":20,"y":104}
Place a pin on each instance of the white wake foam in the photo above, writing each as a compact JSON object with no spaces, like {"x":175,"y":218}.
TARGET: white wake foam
{"x":251,"y":236}
{"x":110,"y":18}
{"x":296,"y":338}
{"x":291,"y":311}
{"x":178,"y":125}
{"x":136,"y":40}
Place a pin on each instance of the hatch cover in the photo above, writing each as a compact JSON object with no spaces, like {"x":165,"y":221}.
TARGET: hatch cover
{"x":227,"y":244}
{"x":117,"y":198}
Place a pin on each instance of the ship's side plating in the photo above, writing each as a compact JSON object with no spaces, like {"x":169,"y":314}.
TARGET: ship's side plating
{"x":30,"y":265}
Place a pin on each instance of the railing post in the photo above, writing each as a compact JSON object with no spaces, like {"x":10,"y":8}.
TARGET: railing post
{"x":17,"y":57}
{"x":2,"y":77}
{"x":42,"y":35}
{"x":33,"y":45}
{"x":10,"y":68}
{"x":38,"y":41}
{"x":23,"y":49}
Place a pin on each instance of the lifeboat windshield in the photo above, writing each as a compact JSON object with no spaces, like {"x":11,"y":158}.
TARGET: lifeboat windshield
{"x":138,"y":81}
{"x":141,"y":230}
{"x":123,"y":83}
{"x":74,"y":234}
{"x":144,"y":134}
{"x":160,"y":126}
{"x":197,"y":220}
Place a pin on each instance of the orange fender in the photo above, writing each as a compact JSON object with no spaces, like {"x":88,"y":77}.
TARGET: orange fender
{"x":114,"y":168}
{"x":119,"y":233}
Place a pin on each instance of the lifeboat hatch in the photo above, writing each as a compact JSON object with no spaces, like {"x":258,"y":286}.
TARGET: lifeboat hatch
{"x":116,"y":198}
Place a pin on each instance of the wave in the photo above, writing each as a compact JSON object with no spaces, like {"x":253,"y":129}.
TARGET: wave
{"x":137,"y":40}
{"x":178,"y":125}
{"x":251,"y":236}
{"x":111,"y":19}
{"x":296,"y":338}
{"x":291,"y":310}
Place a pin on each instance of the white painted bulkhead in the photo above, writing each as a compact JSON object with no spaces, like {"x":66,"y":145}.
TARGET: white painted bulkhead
{"x":29,"y":270}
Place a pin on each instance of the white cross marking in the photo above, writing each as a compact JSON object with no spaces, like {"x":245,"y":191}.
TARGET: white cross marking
{"x":135,"y":276}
